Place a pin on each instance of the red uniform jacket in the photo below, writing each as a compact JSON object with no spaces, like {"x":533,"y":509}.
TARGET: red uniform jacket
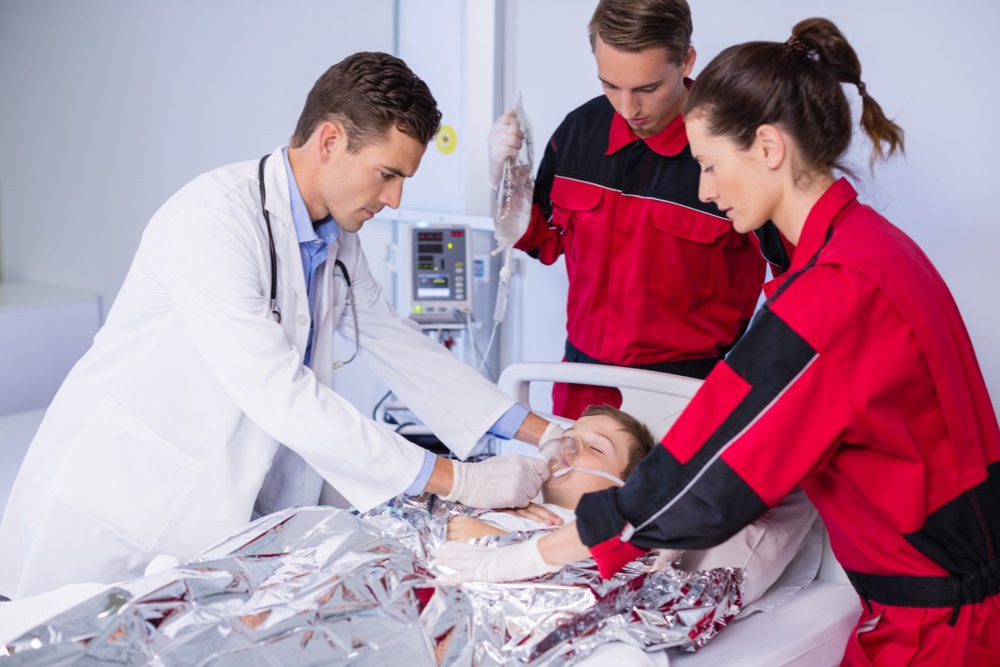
{"x":857,"y":380}
{"x":655,"y":275}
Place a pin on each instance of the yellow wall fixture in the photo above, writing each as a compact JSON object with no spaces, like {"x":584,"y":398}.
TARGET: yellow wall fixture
{"x":446,"y":139}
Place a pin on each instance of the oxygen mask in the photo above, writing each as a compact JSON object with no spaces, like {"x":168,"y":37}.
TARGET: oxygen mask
{"x":562,"y":453}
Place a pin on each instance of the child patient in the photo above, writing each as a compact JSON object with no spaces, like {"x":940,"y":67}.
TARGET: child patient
{"x":609,"y":444}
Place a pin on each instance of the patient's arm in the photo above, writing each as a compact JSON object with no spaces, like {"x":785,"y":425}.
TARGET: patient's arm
{"x":463,"y":528}
{"x":536,"y":512}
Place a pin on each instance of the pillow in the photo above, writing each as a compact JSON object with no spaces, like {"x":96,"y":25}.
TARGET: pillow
{"x":766,"y":548}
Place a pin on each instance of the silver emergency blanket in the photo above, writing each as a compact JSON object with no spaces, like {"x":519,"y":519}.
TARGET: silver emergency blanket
{"x":322,"y":586}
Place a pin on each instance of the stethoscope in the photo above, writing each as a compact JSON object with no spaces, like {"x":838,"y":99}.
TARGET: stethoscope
{"x":275,"y":309}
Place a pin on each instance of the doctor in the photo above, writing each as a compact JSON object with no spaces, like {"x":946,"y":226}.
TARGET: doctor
{"x":217,"y":357}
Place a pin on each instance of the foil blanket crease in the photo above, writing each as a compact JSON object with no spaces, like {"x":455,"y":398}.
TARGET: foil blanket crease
{"x":323,"y":586}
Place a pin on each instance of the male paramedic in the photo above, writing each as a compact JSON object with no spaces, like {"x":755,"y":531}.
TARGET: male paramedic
{"x":657,"y":279}
{"x":206,"y":396}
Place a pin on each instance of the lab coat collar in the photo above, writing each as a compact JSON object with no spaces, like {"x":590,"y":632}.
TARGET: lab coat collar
{"x":668,"y":142}
{"x":278,"y":196}
{"x":286,"y":242}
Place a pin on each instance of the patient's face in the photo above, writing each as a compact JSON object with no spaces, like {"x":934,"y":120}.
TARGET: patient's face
{"x":604,"y":445}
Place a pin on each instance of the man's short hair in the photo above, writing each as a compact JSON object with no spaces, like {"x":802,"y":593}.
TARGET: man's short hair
{"x":637,"y":25}
{"x":368,"y":93}
{"x":641,"y":439}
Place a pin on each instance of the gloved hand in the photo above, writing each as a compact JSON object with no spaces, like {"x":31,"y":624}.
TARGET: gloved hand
{"x":504,"y":141}
{"x":501,"y":481}
{"x":474,"y":562}
{"x":551,"y":432}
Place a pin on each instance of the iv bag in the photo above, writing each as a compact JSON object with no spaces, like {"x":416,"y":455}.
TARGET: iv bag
{"x":514,"y":193}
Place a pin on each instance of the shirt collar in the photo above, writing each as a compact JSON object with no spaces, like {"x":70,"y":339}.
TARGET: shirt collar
{"x":305,"y":231}
{"x":822,"y":216}
{"x":668,"y":142}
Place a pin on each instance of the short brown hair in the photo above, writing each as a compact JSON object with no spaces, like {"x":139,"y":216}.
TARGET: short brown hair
{"x":369,"y":93}
{"x":637,"y":25}
{"x":640,"y":437}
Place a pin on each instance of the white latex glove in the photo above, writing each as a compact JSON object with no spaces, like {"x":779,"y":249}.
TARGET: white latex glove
{"x":504,"y":141}
{"x":474,"y":562}
{"x":498,"y":482}
{"x":551,"y":432}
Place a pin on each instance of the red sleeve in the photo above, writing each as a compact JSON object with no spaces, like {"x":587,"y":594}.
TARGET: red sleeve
{"x":542,"y":239}
{"x":763,"y":421}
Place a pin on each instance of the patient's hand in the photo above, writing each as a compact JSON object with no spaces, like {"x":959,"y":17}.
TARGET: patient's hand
{"x":463,"y":528}
{"x":664,"y":558}
{"x":537,"y":513}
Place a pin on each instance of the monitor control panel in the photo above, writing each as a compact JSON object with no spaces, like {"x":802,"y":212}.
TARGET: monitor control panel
{"x":442,"y":273}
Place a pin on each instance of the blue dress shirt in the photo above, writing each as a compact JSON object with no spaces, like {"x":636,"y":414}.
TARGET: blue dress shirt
{"x":314,"y":244}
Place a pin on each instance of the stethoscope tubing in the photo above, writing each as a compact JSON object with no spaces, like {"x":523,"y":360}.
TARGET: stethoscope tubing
{"x":275,"y":309}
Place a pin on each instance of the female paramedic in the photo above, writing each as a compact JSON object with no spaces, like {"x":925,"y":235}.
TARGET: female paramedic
{"x":857,"y":380}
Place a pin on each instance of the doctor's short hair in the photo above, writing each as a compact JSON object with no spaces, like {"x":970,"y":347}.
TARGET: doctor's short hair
{"x":641,"y":439}
{"x":637,"y":25}
{"x":369,"y":93}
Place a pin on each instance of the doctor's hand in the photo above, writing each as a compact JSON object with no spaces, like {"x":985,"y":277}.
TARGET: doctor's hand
{"x":501,"y":481}
{"x":473,"y":562}
{"x":504,"y":141}
{"x":552,"y":432}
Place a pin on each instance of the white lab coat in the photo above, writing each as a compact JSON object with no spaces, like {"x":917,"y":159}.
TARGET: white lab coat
{"x":159,"y":440}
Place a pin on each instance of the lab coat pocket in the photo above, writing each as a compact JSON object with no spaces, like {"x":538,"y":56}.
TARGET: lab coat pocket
{"x":681,"y":253}
{"x":122,"y":474}
{"x":577,"y":211}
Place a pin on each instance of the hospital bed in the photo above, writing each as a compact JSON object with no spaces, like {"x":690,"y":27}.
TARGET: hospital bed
{"x":810,"y":628}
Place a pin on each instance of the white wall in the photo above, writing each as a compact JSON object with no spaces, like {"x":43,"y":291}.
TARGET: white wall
{"x":146,"y":95}
{"x":451,"y":44}
{"x":928,"y":65}
{"x":109,"y":106}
